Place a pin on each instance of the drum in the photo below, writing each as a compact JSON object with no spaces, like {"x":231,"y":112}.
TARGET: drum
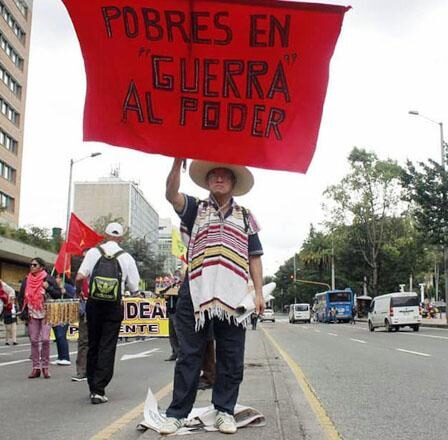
{"x":62,"y":311}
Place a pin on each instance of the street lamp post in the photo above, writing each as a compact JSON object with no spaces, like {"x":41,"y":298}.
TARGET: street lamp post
{"x":69,"y":198}
{"x":443,"y":163}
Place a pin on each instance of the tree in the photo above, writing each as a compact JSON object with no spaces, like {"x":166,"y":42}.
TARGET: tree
{"x":149,"y":264}
{"x":427,"y":188}
{"x":100,"y":224}
{"x":365,"y":198}
{"x":32,"y":235}
{"x":317,"y":250}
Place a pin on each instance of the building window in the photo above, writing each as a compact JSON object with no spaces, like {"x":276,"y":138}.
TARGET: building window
{"x":12,"y":23}
{"x":12,"y":54}
{"x":7,"y":202}
{"x":7,"y":172}
{"x":10,"y":82}
{"x":8,"y":142}
{"x":9,"y":112}
{"x":23,"y":8}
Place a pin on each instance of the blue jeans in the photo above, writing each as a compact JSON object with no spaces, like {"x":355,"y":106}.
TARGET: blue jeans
{"x":60,"y":333}
{"x":230,"y":342}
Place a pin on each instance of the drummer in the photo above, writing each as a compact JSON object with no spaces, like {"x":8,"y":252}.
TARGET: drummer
{"x":60,"y":331}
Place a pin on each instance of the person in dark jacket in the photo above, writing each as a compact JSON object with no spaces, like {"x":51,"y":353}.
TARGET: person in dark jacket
{"x":60,"y":331}
{"x":36,"y":288}
{"x":9,"y":313}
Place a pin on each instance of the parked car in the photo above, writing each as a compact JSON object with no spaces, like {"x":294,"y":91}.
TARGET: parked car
{"x":299,"y":312}
{"x":268,"y":315}
{"x":395,"y":310}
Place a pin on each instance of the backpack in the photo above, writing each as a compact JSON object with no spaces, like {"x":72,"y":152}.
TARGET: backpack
{"x":105,"y":281}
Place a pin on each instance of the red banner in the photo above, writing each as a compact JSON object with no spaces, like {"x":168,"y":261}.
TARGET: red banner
{"x":232,"y":81}
{"x":81,"y":236}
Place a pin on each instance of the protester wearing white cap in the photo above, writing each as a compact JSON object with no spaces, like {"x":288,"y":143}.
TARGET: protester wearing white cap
{"x":110,"y":270}
{"x":224,"y":251}
{"x":114,"y":230}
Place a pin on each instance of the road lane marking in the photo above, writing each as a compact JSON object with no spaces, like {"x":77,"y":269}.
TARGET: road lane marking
{"x":332,"y":334}
{"x":358,"y":340}
{"x":15,"y":352}
{"x":6,"y":347}
{"x":424,"y":336}
{"x":143,"y":354}
{"x":127,"y":418}
{"x":310,"y":395}
{"x":21,"y":361}
{"x":413,"y":352}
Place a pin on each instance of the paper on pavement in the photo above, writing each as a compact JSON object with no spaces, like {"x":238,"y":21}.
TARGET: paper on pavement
{"x":200,"y":419}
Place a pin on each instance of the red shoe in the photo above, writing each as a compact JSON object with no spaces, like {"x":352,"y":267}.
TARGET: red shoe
{"x":46,"y":373}
{"x":35,"y":373}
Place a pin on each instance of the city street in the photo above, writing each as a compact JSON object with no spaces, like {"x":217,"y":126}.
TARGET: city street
{"x":311,"y":381}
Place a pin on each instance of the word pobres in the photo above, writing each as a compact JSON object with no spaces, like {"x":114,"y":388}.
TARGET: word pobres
{"x":198,"y":27}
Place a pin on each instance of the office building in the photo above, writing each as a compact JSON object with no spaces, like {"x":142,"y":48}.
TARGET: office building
{"x":119,"y":199}
{"x":15,"y":30}
{"x":170,"y":262}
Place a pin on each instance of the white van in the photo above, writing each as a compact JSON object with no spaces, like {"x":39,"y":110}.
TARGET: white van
{"x":395,"y":310}
{"x":299,"y":312}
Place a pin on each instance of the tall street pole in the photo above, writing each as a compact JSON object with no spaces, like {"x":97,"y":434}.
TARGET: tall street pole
{"x":443,"y":163}
{"x":69,"y":198}
{"x":67,"y":222}
{"x":445,"y":248}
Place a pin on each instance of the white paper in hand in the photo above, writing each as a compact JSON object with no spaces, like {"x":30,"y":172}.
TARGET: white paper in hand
{"x":247,"y":305}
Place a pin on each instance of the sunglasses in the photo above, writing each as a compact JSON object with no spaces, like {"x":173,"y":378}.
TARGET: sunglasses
{"x":34,"y":265}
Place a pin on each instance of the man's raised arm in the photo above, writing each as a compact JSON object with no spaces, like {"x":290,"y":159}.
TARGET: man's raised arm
{"x":172,"y":193}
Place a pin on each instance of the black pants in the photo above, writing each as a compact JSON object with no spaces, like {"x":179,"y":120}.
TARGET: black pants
{"x":83,"y":347}
{"x":103,"y":322}
{"x":173,"y":336}
{"x":230,"y":340}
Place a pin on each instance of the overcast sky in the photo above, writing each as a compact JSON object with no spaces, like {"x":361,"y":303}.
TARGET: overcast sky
{"x":391,"y":57}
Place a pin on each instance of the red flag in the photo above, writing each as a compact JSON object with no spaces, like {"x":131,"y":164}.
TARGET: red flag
{"x":80,"y":236}
{"x":63,"y":261}
{"x":232,"y":81}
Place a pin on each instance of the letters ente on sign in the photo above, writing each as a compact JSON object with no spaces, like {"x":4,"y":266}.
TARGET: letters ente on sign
{"x":232,"y":81}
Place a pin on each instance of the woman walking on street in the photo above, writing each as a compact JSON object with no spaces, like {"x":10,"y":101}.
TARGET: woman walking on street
{"x":34,"y":290}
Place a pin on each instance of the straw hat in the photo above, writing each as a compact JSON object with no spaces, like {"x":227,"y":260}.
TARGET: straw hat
{"x":244,"y":180}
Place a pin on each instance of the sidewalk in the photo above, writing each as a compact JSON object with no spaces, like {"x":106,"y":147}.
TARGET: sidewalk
{"x":269,"y":386}
{"x":435,"y":322}
{"x":426,"y":322}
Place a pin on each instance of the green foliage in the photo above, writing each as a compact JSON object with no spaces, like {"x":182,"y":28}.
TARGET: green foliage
{"x":100,"y":224}
{"x":365,"y":198}
{"x":32,"y":235}
{"x":427,"y":188}
{"x":149,"y":264}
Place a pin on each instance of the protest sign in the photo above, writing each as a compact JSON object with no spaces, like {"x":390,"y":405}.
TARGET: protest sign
{"x":232,"y":81}
{"x":142,"y":317}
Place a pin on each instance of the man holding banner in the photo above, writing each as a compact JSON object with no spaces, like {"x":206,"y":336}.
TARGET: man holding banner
{"x":223,"y":251}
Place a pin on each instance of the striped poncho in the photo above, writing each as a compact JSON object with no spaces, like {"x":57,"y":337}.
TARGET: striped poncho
{"x":218,"y":260}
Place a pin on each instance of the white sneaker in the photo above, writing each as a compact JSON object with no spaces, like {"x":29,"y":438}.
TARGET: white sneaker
{"x":63,"y":362}
{"x":225,"y":423}
{"x":56,"y":362}
{"x":171,"y":425}
{"x":97,"y":399}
